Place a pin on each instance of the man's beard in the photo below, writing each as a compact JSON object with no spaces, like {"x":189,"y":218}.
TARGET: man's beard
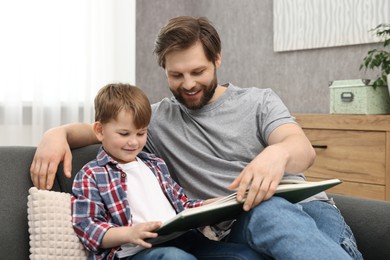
{"x":208,"y":93}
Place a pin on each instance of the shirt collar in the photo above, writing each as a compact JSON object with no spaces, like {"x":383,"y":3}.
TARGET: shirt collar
{"x":103,"y":158}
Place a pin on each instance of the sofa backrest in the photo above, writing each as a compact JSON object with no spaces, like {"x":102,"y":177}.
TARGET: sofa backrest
{"x":79,"y":158}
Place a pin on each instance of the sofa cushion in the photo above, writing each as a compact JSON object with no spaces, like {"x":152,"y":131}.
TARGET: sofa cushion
{"x":370,"y":223}
{"x":50,"y":226}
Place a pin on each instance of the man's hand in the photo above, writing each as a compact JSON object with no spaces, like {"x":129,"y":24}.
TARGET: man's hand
{"x":289,"y":150}
{"x":55,"y":148}
{"x":52,"y":150}
{"x":262,"y":176}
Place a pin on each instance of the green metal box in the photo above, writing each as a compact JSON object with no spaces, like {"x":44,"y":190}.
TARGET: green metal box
{"x":358,"y":97}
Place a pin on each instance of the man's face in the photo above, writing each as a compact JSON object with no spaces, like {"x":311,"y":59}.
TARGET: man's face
{"x":191,"y":76}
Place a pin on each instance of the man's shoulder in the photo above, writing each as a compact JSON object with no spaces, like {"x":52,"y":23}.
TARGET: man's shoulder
{"x":251,"y":90}
{"x":164,"y":112}
{"x":251,"y":95}
{"x":165,"y":102}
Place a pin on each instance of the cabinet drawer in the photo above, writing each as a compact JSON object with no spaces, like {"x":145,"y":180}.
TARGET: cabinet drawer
{"x":361,"y":190}
{"x":353,"y":156}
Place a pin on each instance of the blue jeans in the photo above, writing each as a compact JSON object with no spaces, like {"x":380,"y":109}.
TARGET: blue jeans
{"x":278,"y":229}
{"x":193,"y":245}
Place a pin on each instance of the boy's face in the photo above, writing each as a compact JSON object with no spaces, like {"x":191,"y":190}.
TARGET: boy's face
{"x":120,"y":139}
{"x":191,"y":76}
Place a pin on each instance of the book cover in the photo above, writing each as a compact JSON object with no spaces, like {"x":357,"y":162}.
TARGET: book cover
{"x":229,"y":208}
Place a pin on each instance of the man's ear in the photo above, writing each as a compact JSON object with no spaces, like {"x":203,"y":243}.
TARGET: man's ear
{"x":98,"y":130}
{"x":218,"y":60}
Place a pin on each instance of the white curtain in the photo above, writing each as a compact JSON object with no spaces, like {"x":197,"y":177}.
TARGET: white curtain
{"x":54,"y":56}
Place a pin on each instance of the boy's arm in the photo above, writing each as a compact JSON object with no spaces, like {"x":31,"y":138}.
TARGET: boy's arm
{"x":89,"y":217}
{"x":137,"y":234}
{"x":90,"y":220}
{"x":55,"y":148}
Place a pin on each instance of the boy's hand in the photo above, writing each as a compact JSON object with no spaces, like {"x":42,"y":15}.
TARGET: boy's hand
{"x":208,"y":201}
{"x":136,"y":234}
{"x":140,"y":232}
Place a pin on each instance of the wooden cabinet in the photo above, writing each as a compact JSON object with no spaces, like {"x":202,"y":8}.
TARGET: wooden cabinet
{"x":352,"y":148}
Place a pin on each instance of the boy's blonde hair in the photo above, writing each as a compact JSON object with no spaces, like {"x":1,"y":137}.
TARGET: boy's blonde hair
{"x":112,"y":98}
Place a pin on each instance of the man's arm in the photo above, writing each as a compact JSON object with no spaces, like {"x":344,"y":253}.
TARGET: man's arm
{"x":54,"y":148}
{"x":289,"y":151}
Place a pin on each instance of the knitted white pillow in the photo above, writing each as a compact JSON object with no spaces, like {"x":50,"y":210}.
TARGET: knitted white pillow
{"x":50,"y":226}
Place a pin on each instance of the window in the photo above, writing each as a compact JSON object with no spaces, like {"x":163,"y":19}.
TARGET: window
{"x":55,"y":55}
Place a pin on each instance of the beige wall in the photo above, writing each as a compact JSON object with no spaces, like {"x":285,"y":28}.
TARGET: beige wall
{"x":246,"y":28}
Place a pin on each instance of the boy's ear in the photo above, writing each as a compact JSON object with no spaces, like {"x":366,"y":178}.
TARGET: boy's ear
{"x":98,"y":130}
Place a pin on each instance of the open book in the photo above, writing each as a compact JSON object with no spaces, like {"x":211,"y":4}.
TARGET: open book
{"x":229,"y":208}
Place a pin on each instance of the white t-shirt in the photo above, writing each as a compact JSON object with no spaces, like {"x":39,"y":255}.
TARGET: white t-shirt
{"x":146,"y":199}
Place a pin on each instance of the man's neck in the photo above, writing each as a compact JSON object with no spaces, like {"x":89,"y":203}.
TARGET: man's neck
{"x":218,"y":92}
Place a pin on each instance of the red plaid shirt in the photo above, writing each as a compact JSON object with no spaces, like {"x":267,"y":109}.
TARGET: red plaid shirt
{"x":100,"y":199}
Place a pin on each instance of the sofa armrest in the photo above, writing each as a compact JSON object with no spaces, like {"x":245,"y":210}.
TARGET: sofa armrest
{"x":370,"y":223}
{"x":15,"y":182}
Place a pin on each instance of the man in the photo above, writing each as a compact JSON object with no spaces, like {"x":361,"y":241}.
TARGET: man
{"x":216,"y":138}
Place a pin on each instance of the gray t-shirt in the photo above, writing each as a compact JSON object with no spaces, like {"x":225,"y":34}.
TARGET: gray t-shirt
{"x":206,"y":149}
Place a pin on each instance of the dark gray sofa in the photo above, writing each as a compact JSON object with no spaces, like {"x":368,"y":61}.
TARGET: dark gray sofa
{"x":369,"y":219}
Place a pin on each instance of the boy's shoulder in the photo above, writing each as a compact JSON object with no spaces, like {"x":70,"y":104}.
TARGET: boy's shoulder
{"x":150,"y":157}
{"x":92,"y":167}
{"x":98,"y":164}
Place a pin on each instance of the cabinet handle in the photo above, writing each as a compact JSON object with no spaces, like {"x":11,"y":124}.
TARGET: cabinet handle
{"x":320,"y":146}
{"x":346,"y":97}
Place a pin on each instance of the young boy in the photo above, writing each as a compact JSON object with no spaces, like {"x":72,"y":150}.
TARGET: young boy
{"x":125,"y":194}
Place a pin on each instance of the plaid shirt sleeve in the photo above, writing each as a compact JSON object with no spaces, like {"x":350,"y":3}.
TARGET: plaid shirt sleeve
{"x":89,"y":217}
